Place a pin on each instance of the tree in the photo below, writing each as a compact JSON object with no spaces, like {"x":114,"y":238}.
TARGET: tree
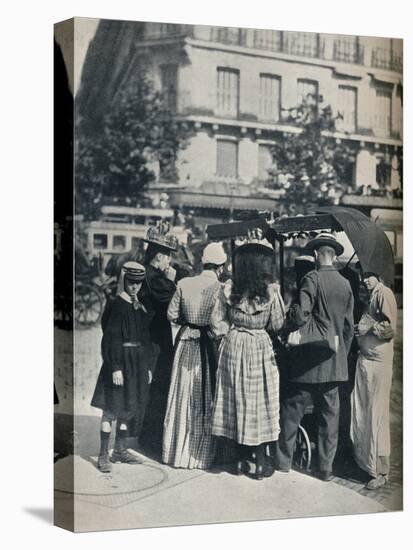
{"x":115,"y":160}
{"x":310,"y":166}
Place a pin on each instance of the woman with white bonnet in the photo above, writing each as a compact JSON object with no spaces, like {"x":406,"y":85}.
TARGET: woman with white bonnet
{"x":187,"y":439}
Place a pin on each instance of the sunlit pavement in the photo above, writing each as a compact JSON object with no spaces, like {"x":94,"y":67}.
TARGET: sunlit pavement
{"x":154,"y":494}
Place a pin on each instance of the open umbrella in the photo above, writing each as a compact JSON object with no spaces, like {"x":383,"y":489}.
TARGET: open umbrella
{"x":369,"y":241}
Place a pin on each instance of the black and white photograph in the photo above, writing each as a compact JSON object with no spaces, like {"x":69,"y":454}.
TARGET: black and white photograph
{"x":230,"y":203}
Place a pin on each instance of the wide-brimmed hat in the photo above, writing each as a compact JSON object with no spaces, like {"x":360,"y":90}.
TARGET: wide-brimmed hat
{"x":324,"y":239}
{"x":159,"y":236}
{"x":255,"y":242}
{"x":133,"y":271}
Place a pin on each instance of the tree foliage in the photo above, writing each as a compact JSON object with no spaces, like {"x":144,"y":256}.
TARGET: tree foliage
{"x":310,"y":166}
{"x":116,"y":160}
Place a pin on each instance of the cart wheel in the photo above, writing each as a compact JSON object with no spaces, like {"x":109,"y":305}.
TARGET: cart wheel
{"x":89,"y":304}
{"x":302,"y":451}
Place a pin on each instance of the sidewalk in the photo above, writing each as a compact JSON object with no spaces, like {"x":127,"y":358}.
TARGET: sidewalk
{"x":155,"y":495}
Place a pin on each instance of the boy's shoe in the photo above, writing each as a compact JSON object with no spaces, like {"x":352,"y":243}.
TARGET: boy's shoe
{"x":124,"y":456}
{"x":376,"y":482}
{"x":104,"y":464}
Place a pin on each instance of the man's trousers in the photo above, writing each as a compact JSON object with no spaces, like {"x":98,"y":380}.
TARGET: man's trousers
{"x":296,"y":398}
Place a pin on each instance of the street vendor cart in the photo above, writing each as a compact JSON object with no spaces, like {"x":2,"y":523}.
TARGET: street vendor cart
{"x":369,"y":245}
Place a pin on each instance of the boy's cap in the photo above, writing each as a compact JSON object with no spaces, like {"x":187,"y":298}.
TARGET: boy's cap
{"x":134,"y":271}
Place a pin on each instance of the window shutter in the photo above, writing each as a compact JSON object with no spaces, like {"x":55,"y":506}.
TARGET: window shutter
{"x":227,"y":158}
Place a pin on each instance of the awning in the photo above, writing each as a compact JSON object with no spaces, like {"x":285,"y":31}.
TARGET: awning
{"x":221,"y":202}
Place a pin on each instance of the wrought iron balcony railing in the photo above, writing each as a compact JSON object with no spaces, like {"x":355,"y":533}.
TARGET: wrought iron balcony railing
{"x":303,"y":44}
{"x":384,"y":58}
{"x":348,"y":51}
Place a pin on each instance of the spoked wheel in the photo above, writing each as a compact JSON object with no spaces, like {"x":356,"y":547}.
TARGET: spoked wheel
{"x":89,"y":304}
{"x":302,"y":451}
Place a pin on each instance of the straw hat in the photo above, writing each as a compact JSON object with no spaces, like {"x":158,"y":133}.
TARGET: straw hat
{"x":324,"y":239}
{"x":159,"y":236}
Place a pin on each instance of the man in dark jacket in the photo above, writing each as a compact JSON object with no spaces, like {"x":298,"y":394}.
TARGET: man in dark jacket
{"x":313,"y":378}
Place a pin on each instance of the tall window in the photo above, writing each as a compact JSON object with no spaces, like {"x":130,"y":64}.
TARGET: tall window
{"x":264,"y":161}
{"x":267,"y":40}
{"x":160,"y":30}
{"x":347,"y":107}
{"x":397,"y":54}
{"x":301,"y":43}
{"x":347,"y":49}
{"x":228,"y":35}
{"x":306,"y":88}
{"x":269,"y":106}
{"x":227,"y":92}
{"x":383,"y":173}
{"x":397,"y":120}
{"x":382,"y":116}
{"x":388,"y":55}
{"x":227,"y":158}
{"x":169,"y":82}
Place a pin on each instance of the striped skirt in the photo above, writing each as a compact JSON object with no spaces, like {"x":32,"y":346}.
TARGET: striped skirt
{"x":246,"y":406}
{"x":187,"y":438}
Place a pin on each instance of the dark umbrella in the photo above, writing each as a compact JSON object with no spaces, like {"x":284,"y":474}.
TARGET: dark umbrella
{"x":369,"y":241}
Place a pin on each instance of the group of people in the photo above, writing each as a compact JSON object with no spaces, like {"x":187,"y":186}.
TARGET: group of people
{"x":219,"y":381}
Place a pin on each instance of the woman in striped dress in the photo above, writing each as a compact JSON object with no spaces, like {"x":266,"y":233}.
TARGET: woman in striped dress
{"x":187,"y":439}
{"x":246,"y":406}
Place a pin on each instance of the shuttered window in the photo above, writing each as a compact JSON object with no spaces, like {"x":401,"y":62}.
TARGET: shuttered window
{"x":347,"y":49}
{"x":382,"y":116}
{"x":169,"y":82}
{"x":227,"y":158}
{"x":264,"y":161}
{"x":269,"y":99}
{"x":301,"y":43}
{"x":227,"y":92}
{"x":267,"y":40}
{"x":397,"y":120}
{"x":347,"y":107}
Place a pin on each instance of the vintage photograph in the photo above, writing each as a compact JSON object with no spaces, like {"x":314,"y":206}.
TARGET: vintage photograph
{"x":228,"y":260}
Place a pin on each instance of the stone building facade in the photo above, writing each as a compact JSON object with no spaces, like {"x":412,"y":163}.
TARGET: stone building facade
{"x":237,"y":87}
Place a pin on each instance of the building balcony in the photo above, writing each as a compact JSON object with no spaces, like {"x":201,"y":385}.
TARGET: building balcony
{"x":386,"y":59}
{"x":210,"y":116}
{"x":377,"y":200}
{"x":156,"y":31}
{"x":345,"y":49}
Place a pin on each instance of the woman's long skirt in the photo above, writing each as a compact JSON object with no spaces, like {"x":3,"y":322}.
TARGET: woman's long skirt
{"x":187,"y":438}
{"x":246,"y":407}
{"x":370,"y":407}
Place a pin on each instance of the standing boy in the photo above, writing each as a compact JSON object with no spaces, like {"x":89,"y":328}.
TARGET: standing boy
{"x":122,"y":388}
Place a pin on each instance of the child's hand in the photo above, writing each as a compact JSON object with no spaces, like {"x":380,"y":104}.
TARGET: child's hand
{"x":149,"y":376}
{"x":117,"y":378}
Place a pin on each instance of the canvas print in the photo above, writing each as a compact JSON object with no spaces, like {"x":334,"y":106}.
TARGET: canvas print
{"x":228,"y":274}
